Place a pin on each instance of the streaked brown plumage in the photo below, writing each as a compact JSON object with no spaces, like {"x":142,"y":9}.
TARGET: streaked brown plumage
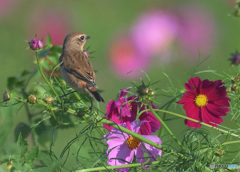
{"x":76,"y":68}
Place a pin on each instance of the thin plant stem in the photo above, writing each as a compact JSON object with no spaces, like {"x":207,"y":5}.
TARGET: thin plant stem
{"x":166,"y":127}
{"x":118,"y":166}
{"x":45,"y":78}
{"x":194,"y":120}
{"x":231,"y":142}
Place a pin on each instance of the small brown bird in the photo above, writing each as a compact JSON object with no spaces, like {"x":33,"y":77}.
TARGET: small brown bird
{"x":76,"y":69}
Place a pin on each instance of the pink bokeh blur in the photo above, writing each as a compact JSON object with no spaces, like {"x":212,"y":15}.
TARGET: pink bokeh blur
{"x":157,"y":32}
{"x":7,"y":6}
{"x":197,"y":31}
{"x":125,"y":57}
{"x":154,"y":31}
{"x":54,"y":22}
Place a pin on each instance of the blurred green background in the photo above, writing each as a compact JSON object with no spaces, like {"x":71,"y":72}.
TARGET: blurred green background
{"x":103,"y":20}
{"x":107,"y":21}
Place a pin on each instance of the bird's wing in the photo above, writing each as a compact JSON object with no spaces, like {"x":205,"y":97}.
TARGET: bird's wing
{"x":78,"y":64}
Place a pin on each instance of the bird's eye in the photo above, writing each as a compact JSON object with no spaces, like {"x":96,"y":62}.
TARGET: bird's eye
{"x":81,"y":38}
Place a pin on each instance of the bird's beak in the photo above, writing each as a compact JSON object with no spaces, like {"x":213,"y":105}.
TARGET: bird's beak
{"x":88,"y":37}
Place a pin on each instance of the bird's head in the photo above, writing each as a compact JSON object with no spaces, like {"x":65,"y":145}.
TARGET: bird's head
{"x":75,"y":41}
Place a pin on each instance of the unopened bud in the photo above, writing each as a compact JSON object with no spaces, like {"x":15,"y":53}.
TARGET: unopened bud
{"x":235,"y":58}
{"x":32,"y":99}
{"x":234,"y":88}
{"x":151,"y":93}
{"x":35,"y":44}
{"x":87,"y":53}
{"x":146,"y":100}
{"x":9,"y":165}
{"x":49,"y":99}
{"x":219,"y":153}
{"x":143,"y":90}
{"x":237,"y":79}
{"x":6,"y":96}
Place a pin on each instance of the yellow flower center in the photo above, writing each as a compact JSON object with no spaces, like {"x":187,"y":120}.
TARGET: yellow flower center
{"x":130,"y":106}
{"x":133,"y":142}
{"x":201,"y":100}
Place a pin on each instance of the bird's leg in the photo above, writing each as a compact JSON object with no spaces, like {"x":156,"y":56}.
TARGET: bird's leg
{"x":67,"y":94}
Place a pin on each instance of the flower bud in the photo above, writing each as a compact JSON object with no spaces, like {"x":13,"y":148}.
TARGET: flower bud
{"x":151,"y":93}
{"x":63,"y":83}
{"x":6,"y":96}
{"x":237,"y":79}
{"x":236,"y":12}
{"x":143,"y":90}
{"x":35,"y":44}
{"x":234,"y":88}
{"x":9,"y":165}
{"x":146,"y":100}
{"x":235,"y":58}
{"x":87,"y":53}
{"x":32,"y":99}
{"x":49,"y":99}
{"x":219,"y":152}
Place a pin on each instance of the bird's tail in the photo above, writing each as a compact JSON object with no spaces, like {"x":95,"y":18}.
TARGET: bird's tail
{"x":91,"y":88}
{"x":96,"y":96}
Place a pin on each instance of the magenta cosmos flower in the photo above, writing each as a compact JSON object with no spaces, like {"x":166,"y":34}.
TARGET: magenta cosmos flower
{"x":205,"y":101}
{"x":122,"y":147}
{"x":124,"y":110}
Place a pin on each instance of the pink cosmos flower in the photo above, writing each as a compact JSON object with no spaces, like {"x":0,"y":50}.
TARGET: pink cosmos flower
{"x":205,"y":101}
{"x":154,"y":31}
{"x":125,"y":57}
{"x":35,"y":44}
{"x":124,"y":110}
{"x":122,"y":147}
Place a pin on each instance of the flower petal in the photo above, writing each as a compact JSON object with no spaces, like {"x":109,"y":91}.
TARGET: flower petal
{"x":150,"y":150}
{"x":210,"y":119}
{"x":192,"y":111}
{"x":120,"y":155}
{"x":193,"y":84}
{"x":139,"y":155}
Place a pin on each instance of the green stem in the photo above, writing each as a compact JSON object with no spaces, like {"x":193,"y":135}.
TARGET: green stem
{"x":170,"y":101}
{"x":231,"y":142}
{"x":138,"y":136}
{"x":45,"y":78}
{"x":118,"y":166}
{"x":194,"y":120}
{"x":166,"y":127}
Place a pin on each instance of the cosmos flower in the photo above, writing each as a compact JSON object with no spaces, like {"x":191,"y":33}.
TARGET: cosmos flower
{"x":122,"y":147}
{"x":125,"y":57}
{"x":205,"y":101}
{"x":124,"y":110}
